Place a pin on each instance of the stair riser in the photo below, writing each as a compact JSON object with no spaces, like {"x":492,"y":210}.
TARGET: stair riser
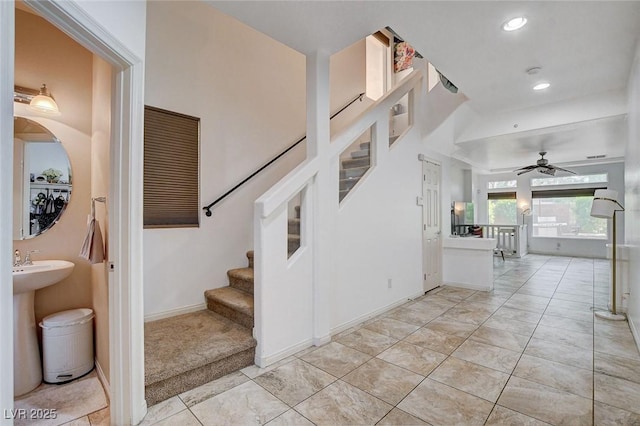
{"x":360,"y":154}
{"x":293,"y":244}
{"x":250,"y":258}
{"x":294,"y":227}
{"x":241,"y":284}
{"x":365,"y":145}
{"x":359,"y":162}
{"x":173,"y":386}
{"x":232,"y":314}
{"x":352,"y":173}
{"x":348,"y":184}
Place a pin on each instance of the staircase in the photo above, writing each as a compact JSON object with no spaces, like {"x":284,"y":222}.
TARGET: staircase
{"x":186,"y":351}
{"x":352,"y":169}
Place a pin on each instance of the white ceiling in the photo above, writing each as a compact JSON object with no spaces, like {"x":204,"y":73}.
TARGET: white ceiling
{"x":583,"y":47}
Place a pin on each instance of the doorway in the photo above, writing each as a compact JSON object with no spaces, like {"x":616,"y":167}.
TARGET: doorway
{"x":126,"y":332}
{"x":431,"y":224}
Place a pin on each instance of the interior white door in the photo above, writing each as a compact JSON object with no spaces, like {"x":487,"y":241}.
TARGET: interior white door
{"x":431,"y":225}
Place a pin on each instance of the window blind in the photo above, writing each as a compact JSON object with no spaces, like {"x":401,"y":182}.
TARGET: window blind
{"x":501,"y":196}
{"x":171,"y":169}
{"x":559,"y":193}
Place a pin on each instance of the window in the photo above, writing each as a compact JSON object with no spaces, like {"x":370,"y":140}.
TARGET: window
{"x":566,"y":213}
{"x":171,"y":169}
{"x":502,"y":208}
{"x":570,"y":180}
{"x":502,"y":184}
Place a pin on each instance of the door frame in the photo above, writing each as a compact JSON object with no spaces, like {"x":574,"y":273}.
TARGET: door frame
{"x":424,"y":159}
{"x":126,"y":322}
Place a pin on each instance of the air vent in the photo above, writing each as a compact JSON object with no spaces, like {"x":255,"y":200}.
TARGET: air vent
{"x":595,"y":157}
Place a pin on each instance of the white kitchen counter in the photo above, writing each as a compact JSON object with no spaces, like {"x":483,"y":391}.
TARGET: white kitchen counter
{"x":468,"y":262}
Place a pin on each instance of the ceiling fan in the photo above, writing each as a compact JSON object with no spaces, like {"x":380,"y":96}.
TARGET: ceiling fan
{"x":543,"y":166}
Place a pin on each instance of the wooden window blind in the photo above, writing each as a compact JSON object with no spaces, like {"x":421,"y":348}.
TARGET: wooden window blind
{"x":560,"y":193}
{"x":501,"y":196}
{"x":171,"y":169}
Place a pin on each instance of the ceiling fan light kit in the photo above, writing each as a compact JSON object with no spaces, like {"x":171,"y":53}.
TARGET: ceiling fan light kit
{"x":543,"y":166}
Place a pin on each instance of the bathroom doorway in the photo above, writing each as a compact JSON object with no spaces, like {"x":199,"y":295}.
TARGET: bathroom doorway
{"x":124,"y":277}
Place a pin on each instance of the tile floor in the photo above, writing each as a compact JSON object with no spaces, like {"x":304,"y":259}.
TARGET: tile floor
{"x":528,"y":353}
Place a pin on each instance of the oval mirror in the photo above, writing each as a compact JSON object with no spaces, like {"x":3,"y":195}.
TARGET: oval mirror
{"x":41,"y":179}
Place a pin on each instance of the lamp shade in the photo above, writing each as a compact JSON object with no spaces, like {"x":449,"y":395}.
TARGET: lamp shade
{"x":44,"y":103}
{"x":605,"y":203}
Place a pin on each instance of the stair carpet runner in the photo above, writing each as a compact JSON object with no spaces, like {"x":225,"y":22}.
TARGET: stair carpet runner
{"x":187,"y":351}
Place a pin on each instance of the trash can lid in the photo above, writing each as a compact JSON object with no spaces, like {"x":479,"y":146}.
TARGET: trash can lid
{"x":70,"y":317}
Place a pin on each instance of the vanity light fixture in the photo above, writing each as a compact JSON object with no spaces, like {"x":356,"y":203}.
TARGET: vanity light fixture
{"x":514,"y":23}
{"x":39,"y":101}
{"x":541,"y":86}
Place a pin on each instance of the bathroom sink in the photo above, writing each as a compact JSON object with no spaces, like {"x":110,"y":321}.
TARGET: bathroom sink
{"x":41,"y":274}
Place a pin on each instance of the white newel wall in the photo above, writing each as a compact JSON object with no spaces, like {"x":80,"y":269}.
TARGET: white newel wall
{"x":375,"y":236}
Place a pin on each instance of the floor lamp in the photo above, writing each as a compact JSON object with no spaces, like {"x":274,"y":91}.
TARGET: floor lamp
{"x":605,"y":205}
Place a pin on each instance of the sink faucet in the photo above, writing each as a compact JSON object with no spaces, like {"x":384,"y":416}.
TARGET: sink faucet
{"x":27,"y":257}
{"x":17,"y":259}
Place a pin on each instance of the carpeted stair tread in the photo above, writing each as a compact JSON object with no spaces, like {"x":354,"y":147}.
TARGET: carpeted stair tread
{"x":186,"y":351}
{"x":231,"y":303}
{"x":356,"y":172}
{"x":357,"y":162}
{"x":294,"y":226}
{"x":241,"y":279}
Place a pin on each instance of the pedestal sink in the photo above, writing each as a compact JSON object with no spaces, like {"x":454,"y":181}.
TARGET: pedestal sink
{"x":26,"y":353}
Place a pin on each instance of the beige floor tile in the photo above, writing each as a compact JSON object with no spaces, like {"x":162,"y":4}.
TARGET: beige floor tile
{"x":416,"y":314}
{"x":558,"y":311}
{"x":414,"y":358}
{"x":558,"y":335}
{"x":71,"y":401}
{"x":247,"y":403}
{"x":546,"y":403}
{"x":580,"y":298}
{"x":336,"y":359}
{"x":440,"y":404}
{"x":516,"y":314}
{"x":472,"y":378}
{"x":391,"y":327}
{"x":295,"y":381}
{"x":502,"y":338}
{"x":435,"y":340}
{"x":570,"y":305}
{"x":381,"y":379}
{"x":543,"y":292}
{"x":367,"y":341}
{"x":455,"y":328}
{"x":100,"y":418}
{"x":343,"y":404}
{"x":567,"y":324}
{"x":469,"y":312}
{"x":617,"y":392}
{"x":607,"y":415}
{"x":611,"y":329}
{"x":82,"y":421}
{"x":183,"y":418}
{"x":624,"y":347}
{"x":454,"y":294}
{"x":398,"y":417}
{"x":530,"y":299}
{"x":558,"y":352}
{"x":489,"y":356}
{"x":611,"y":365}
{"x":163,"y":410}
{"x":488,"y":298}
{"x":254,"y":371}
{"x":525,"y":306}
{"x":290,"y":418}
{"x":211,"y":389}
{"x":501,"y":416}
{"x":575,"y":380}
{"x":514,"y":326}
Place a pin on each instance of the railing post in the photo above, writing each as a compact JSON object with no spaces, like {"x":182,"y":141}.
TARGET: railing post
{"x":323,"y":213}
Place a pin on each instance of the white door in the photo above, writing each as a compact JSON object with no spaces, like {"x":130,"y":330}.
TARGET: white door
{"x":431,"y":222}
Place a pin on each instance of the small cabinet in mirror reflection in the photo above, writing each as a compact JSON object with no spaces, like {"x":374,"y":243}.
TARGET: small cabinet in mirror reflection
{"x":42,"y":179}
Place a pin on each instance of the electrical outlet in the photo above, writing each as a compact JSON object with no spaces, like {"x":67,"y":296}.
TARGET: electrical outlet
{"x":557,"y":246}
{"x":389,"y":283}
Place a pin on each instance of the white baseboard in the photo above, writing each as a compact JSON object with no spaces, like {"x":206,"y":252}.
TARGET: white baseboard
{"x":368,"y":316}
{"x":266,"y":361}
{"x":174,"y":312}
{"x":103,"y":379}
{"x":634,"y":332}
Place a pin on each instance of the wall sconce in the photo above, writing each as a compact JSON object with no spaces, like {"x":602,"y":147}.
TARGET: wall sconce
{"x":525,"y":212}
{"x":39,"y":101}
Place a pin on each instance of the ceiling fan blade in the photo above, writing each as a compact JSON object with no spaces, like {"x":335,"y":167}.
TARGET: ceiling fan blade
{"x":564,"y":170}
{"x":527,"y":169}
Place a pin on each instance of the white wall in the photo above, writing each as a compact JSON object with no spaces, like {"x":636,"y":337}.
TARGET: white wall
{"x":547,"y":245}
{"x":632,"y":195}
{"x":248,"y":91}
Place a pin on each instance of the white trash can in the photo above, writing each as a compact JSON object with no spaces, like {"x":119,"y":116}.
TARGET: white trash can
{"x":67,"y":345}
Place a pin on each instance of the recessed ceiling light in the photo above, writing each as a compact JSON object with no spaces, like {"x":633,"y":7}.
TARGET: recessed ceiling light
{"x":541,"y":86}
{"x":514,"y":24}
